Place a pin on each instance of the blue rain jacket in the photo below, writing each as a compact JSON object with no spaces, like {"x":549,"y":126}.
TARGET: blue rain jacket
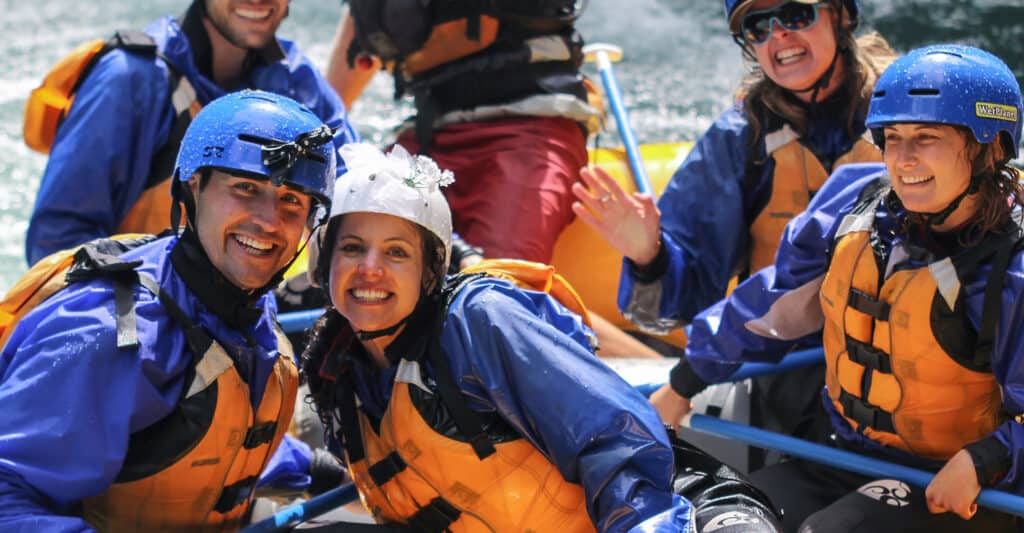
{"x":123,"y":115}
{"x":720,"y":340}
{"x":522,"y":354}
{"x":706,"y":211}
{"x":71,"y":398}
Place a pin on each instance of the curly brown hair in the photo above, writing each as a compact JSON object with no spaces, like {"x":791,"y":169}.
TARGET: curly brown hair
{"x":998,"y":182}
{"x":863,"y":59}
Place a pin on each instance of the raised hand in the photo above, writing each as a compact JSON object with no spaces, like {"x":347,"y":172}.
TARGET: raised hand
{"x":628,"y":222}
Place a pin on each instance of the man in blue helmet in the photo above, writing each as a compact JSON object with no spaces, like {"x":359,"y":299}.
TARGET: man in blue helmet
{"x":114,"y":151}
{"x":149,"y":393}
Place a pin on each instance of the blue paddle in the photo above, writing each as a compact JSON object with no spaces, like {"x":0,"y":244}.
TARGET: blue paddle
{"x":604,"y":55}
{"x":993,"y":499}
{"x":311,"y":508}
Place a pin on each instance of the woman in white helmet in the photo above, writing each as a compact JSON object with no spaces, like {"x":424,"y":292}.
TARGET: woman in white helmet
{"x":470,"y":404}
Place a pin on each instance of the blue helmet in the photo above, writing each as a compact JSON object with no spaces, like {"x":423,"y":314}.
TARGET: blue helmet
{"x":949,"y":84}
{"x":262,"y":135}
{"x":732,"y":5}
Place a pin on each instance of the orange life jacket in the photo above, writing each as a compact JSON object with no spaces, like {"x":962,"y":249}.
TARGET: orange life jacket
{"x":195,"y":469}
{"x":797,"y":176}
{"x":409,"y":472}
{"x":210,"y":487}
{"x":894,"y":347}
{"x":413,"y":474}
{"x":49,"y":275}
{"x":50,"y":103}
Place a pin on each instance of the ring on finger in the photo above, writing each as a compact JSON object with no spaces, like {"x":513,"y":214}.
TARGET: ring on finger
{"x":605,"y":199}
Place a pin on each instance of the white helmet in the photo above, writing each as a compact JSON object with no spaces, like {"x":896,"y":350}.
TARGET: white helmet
{"x":397,"y":184}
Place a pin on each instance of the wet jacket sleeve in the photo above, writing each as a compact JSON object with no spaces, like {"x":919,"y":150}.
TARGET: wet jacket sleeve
{"x":101,"y":155}
{"x":778,"y":306}
{"x":705,"y":211}
{"x":71,"y":399}
{"x":1008,"y":367}
{"x":522,"y":355}
{"x":288,"y":467}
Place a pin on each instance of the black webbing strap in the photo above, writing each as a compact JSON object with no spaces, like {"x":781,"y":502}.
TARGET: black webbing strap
{"x":435,"y":517}
{"x":235,"y":494}
{"x":868,"y":305}
{"x":866,"y":414}
{"x":346,"y":401}
{"x":473,"y":27}
{"x":90,"y":263}
{"x":992,"y":304}
{"x":868,"y":356}
{"x":387,"y":468}
{"x":426,"y":114}
{"x":259,"y":435}
{"x":466,"y":419}
{"x":198,"y":340}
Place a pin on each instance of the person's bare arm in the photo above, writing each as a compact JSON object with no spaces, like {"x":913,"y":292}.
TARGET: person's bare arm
{"x":348,"y":81}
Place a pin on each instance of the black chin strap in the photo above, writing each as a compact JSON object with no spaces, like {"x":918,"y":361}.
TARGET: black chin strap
{"x":365,"y":335}
{"x":826,"y":77}
{"x":823,"y":80}
{"x":939,"y":217}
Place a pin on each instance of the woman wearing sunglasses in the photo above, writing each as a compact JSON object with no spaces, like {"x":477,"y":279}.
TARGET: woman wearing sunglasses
{"x":913,"y":274}
{"x":799,"y":116}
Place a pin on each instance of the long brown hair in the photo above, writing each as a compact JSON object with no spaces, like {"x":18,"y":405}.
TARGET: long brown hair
{"x":998,"y":182}
{"x":863,"y":59}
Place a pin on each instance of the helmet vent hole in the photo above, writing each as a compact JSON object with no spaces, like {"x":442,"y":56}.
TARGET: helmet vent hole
{"x":923,"y":92}
{"x":879,"y":94}
{"x":262,"y":141}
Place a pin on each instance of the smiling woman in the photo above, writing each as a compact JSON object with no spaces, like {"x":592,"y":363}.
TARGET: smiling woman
{"x":477,"y":387}
{"x":798,"y":116}
{"x":912,"y":276}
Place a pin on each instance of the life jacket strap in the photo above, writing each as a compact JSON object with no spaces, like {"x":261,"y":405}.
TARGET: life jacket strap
{"x":435,"y":517}
{"x":387,"y":468}
{"x":235,"y":494}
{"x":866,"y":414}
{"x":259,"y":435}
{"x":867,"y":304}
{"x":868,"y":356}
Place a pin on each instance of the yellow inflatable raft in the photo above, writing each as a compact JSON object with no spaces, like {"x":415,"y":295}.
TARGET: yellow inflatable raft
{"x":581,"y":255}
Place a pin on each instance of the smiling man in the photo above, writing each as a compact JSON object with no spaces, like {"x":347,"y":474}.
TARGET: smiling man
{"x":149,"y":393}
{"x":113,"y":153}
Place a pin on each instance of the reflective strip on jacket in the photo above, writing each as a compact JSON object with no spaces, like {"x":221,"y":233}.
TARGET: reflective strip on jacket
{"x":515,"y":489}
{"x":75,"y":403}
{"x":520,"y":356}
{"x":894,"y":350}
{"x":797,"y":176}
{"x":718,"y":221}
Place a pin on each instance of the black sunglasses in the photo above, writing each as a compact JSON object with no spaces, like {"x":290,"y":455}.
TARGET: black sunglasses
{"x":756,"y":27}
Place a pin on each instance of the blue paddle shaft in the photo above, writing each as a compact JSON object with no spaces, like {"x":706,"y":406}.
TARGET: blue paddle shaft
{"x":993,"y":499}
{"x":611,"y":88}
{"x":290,"y":516}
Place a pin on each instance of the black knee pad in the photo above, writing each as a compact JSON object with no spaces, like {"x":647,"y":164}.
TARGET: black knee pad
{"x":723,"y":499}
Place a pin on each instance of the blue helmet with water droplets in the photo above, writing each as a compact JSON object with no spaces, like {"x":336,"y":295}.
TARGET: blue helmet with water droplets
{"x":949,"y":84}
{"x":262,"y":135}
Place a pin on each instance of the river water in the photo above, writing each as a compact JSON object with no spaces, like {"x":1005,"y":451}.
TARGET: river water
{"x":679,"y":70}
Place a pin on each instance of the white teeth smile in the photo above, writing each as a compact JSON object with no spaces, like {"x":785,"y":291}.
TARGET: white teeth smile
{"x":372,"y":295}
{"x":789,"y":55}
{"x":910,"y":180}
{"x":260,"y":246}
{"x":252,"y":14}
